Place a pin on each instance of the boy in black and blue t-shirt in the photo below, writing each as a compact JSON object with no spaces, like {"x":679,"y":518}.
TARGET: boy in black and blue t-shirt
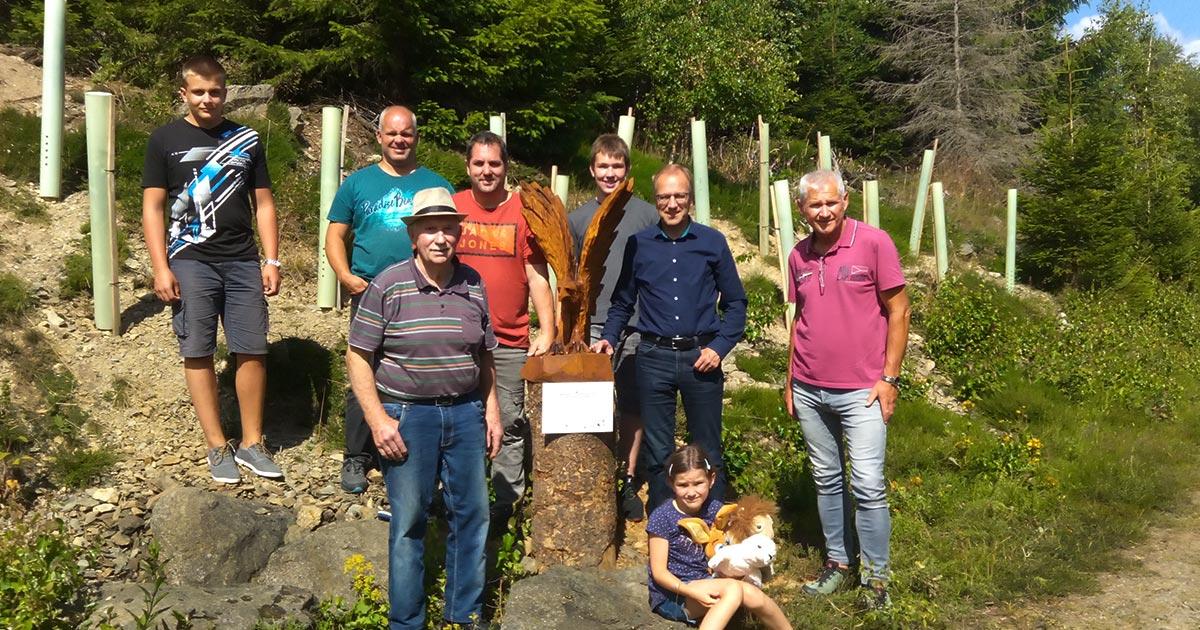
{"x":209,"y":176}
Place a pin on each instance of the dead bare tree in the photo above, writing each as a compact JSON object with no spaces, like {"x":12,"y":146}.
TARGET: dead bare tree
{"x":967,"y":66}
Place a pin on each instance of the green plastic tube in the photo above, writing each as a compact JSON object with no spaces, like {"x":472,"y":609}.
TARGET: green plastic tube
{"x":700,"y":170}
{"x":100,"y":127}
{"x":764,"y":187}
{"x":331,"y":178}
{"x":1010,"y":249}
{"x":941,"y":253}
{"x":914,"y":239}
{"x":53,"y":80}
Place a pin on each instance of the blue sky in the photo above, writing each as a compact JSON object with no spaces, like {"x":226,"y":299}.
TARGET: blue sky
{"x":1177,"y":19}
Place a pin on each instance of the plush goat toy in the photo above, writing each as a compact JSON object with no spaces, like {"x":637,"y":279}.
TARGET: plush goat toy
{"x":739,"y":544}
{"x":749,"y":559}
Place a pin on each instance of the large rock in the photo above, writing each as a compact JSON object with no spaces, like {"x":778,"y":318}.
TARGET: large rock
{"x":242,"y":101}
{"x":582,"y":599}
{"x":210,"y":539}
{"x":245,"y":95}
{"x":315,"y":561}
{"x":208,"y":607}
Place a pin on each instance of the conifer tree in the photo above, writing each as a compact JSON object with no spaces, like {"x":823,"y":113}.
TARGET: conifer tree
{"x":1110,"y":177}
{"x":964,"y":67}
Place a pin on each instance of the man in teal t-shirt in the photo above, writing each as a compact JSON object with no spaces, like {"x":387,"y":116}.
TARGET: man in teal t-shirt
{"x":369,"y":207}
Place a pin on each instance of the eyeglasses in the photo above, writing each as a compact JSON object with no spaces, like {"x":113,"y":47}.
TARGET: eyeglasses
{"x":680,"y":198}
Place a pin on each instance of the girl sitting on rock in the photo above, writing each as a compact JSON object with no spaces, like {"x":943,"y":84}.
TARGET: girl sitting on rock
{"x":681,"y":588}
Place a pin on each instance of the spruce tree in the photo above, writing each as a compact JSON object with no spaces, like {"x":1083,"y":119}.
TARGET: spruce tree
{"x":1110,"y":178}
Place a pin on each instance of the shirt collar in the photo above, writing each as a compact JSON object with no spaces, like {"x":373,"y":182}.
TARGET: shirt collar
{"x":846,"y":239}
{"x":687,"y":232}
{"x":458,"y":281}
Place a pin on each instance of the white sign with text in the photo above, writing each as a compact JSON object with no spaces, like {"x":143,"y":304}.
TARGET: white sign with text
{"x":579,"y":407}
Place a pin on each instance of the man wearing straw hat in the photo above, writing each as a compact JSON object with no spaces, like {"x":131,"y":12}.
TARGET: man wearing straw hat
{"x":369,"y":209}
{"x":430,"y":402}
{"x":847,"y":343}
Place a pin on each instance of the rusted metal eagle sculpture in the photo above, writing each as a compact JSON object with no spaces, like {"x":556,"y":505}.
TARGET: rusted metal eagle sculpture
{"x":578,"y":273}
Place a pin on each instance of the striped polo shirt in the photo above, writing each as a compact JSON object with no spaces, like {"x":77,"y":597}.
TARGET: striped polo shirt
{"x":428,"y":340}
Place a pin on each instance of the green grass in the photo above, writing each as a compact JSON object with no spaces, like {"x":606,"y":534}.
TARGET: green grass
{"x":45,"y":438}
{"x":20,"y":150}
{"x":1030,"y":493}
{"x":14,"y":298}
{"x":80,"y":467}
{"x":768,"y":365}
{"x":22,"y":204}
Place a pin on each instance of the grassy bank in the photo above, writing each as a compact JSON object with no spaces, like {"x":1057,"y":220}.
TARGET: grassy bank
{"x":1081,"y":426}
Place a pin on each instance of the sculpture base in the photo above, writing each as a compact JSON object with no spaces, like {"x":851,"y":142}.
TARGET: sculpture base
{"x":574,"y":520}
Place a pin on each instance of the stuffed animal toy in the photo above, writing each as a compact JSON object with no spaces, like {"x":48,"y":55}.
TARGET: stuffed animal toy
{"x":734,"y":523}
{"x":709,"y":536}
{"x":747,"y":560}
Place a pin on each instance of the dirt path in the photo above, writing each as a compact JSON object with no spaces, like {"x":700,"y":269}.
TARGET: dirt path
{"x":1156,"y":586}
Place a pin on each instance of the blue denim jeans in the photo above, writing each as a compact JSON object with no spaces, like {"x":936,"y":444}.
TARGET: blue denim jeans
{"x":663,"y":373}
{"x":828,"y":417}
{"x":447,"y":443}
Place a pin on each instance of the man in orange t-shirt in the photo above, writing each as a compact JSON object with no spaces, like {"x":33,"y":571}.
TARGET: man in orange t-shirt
{"x":497,"y":243}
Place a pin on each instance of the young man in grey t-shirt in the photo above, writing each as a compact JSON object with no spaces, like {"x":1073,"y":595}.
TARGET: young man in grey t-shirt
{"x":609,"y":166}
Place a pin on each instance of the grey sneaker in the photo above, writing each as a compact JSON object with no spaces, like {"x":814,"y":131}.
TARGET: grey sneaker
{"x":877,"y":595}
{"x":256,"y":458}
{"x":354,"y":474}
{"x":221,"y":465}
{"x":829,"y":580}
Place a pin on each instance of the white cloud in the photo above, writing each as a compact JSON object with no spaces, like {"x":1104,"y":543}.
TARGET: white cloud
{"x":1190,"y":46}
{"x":1085,"y":23}
{"x":1092,"y":22}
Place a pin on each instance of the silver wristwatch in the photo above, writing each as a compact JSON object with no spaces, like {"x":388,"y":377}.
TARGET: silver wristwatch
{"x":273,"y":262}
{"x":894,"y":381}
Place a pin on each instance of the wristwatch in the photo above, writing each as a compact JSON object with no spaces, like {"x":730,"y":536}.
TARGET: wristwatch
{"x":273,"y":262}
{"x":894,"y":381}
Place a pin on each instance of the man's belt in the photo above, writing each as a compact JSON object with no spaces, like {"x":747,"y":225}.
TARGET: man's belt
{"x":679,"y":343}
{"x":436,"y":401}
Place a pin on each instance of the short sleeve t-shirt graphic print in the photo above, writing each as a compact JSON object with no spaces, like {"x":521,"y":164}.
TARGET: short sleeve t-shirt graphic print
{"x":209,"y":175}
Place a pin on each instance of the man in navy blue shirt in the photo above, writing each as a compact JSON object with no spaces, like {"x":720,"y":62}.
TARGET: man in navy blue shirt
{"x":679,"y":274}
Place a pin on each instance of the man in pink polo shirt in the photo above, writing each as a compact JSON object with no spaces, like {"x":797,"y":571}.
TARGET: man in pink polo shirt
{"x":847,"y":343}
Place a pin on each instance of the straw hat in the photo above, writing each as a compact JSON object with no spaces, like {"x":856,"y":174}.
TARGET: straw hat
{"x":432,"y":202}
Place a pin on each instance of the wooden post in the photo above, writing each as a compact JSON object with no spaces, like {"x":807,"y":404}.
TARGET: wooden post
{"x":574,"y":490}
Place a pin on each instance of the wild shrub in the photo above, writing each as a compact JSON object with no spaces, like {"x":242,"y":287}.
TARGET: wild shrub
{"x":41,"y":580}
{"x":765,"y":307}
{"x":14,"y":298}
{"x":976,"y":333}
{"x":22,"y":204}
{"x":770,"y":363}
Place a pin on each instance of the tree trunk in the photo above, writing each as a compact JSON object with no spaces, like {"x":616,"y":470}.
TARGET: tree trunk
{"x":574,"y":519}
